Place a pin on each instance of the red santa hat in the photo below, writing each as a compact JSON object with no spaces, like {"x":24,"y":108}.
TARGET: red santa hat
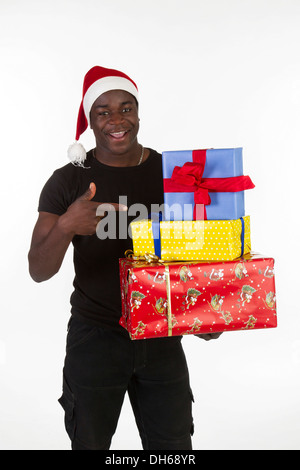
{"x":98,"y":80}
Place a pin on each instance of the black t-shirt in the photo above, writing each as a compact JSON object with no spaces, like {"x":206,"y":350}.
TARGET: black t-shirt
{"x":96,"y":296}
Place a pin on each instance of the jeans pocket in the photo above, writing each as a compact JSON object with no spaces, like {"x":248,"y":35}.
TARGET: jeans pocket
{"x":67,"y":401}
{"x":78,"y":333}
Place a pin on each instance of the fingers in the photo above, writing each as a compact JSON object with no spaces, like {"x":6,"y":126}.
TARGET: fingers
{"x":209,"y":336}
{"x":106,"y":207}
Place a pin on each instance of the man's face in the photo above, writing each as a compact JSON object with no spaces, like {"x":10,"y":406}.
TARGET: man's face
{"x":114,"y":121}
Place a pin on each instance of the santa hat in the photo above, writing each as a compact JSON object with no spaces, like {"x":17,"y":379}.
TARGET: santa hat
{"x":98,"y":80}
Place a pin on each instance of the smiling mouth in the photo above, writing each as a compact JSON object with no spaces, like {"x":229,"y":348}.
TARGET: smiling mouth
{"x":118,"y":135}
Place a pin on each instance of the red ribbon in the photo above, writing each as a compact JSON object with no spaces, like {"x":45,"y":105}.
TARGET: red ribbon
{"x":188,"y":178}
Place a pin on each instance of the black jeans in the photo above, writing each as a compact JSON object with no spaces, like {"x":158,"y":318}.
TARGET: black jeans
{"x":101,"y":365}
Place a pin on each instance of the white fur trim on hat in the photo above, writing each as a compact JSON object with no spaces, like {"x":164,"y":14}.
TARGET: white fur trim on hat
{"x":103,"y":85}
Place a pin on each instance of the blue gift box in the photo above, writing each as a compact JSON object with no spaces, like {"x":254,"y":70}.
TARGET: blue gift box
{"x":220,"y":163}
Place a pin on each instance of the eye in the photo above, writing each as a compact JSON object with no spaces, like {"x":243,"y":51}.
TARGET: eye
{"x":103,"y":113}
{"x":126,"y":110}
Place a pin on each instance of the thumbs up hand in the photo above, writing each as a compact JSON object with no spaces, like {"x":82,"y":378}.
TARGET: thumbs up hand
{"x":89,"y":194}
{"x":83,"y":216}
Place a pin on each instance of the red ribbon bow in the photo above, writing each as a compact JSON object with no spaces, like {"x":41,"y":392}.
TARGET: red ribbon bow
{"x":188,"y":178}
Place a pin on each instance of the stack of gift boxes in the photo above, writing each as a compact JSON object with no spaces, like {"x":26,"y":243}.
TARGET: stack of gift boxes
{"x":191,"y":270}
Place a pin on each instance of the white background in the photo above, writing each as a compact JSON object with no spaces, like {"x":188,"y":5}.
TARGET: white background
{"x":211,"y":73}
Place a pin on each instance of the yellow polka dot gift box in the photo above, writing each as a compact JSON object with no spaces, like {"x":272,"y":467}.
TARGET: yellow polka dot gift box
{"x":180,"y":298}
{"x":210,"y":240}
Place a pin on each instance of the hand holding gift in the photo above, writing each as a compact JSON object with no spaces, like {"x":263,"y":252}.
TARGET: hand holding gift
{"x":209,"y":336}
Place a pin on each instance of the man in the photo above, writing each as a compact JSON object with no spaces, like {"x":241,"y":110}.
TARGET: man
{"x":101,"y":362}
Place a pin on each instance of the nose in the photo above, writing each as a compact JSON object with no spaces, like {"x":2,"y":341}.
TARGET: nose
{"x":116,"y":117}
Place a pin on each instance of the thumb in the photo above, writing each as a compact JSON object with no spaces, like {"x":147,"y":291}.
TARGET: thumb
{"x":90,"y":193}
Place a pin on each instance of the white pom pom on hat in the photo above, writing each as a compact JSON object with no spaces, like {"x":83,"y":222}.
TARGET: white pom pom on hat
{"x":77,"y":153}
{"x":98,"y":80}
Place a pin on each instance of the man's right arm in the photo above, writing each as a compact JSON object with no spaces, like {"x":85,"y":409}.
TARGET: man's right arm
{"x":48,"y":246}
{"x":53,"y":233}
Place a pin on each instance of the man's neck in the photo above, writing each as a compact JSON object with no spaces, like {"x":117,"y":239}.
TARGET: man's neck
{"x":133,"y":157}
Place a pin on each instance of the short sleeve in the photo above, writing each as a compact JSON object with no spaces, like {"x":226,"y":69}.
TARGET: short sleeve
{"x":55,"y":196}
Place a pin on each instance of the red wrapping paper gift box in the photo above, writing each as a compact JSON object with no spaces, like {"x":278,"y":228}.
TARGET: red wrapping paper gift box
{"x":179,"y":298}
